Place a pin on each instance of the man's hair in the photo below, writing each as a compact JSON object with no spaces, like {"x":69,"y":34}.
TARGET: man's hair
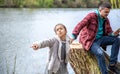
{"x":61,"y":25}
{"x":105,"y":5}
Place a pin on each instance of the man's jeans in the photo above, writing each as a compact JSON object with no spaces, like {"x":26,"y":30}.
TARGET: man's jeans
{"x":98,"y":51}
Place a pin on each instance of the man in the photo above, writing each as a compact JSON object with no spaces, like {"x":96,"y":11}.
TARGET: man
{"x":95,"y":32}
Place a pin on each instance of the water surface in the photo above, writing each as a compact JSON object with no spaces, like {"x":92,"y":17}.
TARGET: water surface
{"x":19,"y":28}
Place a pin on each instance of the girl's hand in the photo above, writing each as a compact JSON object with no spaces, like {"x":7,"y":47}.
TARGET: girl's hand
{"x":35,"y":46}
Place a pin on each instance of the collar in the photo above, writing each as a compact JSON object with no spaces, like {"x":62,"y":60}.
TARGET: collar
{"x":98,"y":13}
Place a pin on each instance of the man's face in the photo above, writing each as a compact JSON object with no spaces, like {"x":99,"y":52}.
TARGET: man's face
{"x":104,"y":12}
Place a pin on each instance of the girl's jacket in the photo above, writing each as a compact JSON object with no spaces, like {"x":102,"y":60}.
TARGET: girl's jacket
{"x":54,"y":45}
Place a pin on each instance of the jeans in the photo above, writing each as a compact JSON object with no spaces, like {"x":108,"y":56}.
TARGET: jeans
{"x":99,"y":52}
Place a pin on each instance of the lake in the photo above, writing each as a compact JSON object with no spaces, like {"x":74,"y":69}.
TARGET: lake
{"x":20,"y":27}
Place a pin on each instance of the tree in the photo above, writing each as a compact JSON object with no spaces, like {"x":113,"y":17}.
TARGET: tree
{"x":83,"y":62}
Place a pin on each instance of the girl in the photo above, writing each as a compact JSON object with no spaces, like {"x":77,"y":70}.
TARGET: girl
{"x":59,"y":48}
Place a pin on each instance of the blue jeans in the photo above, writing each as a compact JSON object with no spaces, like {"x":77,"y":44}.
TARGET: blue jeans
{"x":99,"y":52}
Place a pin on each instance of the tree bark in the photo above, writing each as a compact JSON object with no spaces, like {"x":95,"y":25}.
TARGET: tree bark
{"x":84,"y":62}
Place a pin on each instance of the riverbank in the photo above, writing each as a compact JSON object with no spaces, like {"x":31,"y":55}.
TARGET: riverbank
{"x":55,"y":3}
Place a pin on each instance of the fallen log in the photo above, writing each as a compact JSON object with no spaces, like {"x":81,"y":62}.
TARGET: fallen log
{"x":84,"y":62}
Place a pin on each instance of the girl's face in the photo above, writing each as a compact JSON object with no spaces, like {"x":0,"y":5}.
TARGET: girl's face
{"x":60,"y":31}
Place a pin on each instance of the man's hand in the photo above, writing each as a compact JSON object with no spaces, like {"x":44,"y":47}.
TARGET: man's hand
{"x":71,"y":40}
{"x":116,"y":33}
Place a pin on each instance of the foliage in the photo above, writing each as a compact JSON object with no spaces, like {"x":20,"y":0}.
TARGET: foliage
{"x":57,"y":3}
{"x":115,"y":3}
{"x":18,"y":3}
{"x":46,"y":3}
{"x":31,"y":3}
{"x":1,"y":2}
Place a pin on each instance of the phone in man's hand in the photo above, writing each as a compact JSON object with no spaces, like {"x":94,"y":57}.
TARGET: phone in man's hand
{"x":117,"y":31}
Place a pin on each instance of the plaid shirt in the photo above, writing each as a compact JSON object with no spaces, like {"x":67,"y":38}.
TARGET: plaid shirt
{"x":87,"y":29}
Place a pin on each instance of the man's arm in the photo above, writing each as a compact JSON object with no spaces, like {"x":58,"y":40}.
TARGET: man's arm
{"x":81,"y":25}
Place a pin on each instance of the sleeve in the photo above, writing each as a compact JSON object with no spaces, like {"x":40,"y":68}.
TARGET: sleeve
{"x":81,"y":25}
{"x":111,"y":34}
{"x":46,"y":43}
{"x":108,"y":29}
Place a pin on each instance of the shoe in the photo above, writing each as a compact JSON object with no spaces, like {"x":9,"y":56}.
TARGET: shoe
{"x":114,"y":69}
{"x":110,"y":72}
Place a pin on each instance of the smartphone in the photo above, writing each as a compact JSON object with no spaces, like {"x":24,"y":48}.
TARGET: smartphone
{"x":118,"y":30}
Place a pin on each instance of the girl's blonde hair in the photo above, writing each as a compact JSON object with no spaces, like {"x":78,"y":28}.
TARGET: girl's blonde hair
{"x":61,"y":25}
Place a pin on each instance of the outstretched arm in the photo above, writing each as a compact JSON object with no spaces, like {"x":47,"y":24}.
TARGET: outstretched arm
{"x":43,"y":44}
{"x":85,"y":22}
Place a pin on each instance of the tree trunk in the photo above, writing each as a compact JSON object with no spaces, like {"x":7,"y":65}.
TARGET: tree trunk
{"x":84,"y":62}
